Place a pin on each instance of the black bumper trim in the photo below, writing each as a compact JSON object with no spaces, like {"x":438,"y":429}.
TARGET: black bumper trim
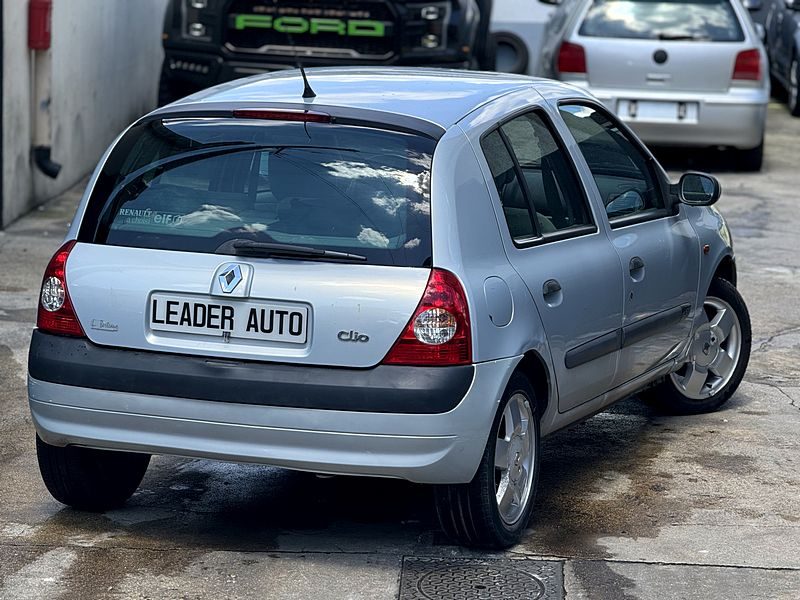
{"x":382,"y":389}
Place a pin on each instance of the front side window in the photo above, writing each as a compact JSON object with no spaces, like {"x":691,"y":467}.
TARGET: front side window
{"x":689,"y":20}
{"x":535,"y":179}
{"x":622,"y":172}
{"x":196,"y":184}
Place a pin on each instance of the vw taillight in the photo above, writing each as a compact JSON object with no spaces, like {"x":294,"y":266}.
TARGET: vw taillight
{"x":571,"y":58}
{"x":747,"y":66}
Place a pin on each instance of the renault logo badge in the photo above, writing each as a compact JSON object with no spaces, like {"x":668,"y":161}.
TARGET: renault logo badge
{"x":230,"y":277}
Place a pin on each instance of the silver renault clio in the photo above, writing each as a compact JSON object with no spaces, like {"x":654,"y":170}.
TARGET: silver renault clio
{"x":402,"y":273}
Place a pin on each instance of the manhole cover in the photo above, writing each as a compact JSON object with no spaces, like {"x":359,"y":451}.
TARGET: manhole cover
{"x":472,"y":579}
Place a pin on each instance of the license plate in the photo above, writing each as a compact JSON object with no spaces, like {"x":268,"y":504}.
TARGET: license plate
{"x":265,"y":321}
{"x":650,"y":110}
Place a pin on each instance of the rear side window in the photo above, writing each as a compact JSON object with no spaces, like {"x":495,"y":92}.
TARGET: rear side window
{"x":537,"y":185}
{"x":691,"y":20}
{"x":194,"y":185}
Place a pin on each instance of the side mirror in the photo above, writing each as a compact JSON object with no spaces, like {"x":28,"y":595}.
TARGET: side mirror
{"x":753,"y":5}
{"x":698,"y":189}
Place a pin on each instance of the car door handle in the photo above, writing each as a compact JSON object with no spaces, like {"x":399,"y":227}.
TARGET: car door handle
{"x":636,"y":264}
{"x":550,"y":287}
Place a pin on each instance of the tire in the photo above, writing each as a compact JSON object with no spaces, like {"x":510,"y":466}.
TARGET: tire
{"x":515,"y":44}
{"x":793,"y":90}
{"x":679,"y":393}
{"x":89,"y":479}
{"x":751,"y":160}
{"x":470,"y":513}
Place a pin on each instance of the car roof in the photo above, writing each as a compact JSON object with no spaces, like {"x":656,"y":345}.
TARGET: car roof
{"x":439,"y":96}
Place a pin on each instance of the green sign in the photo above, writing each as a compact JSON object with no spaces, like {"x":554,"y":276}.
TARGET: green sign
{"x":313,"y":26}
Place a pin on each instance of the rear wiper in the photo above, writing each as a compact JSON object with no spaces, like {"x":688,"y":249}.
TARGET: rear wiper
{"x":677,"y":37}
{"x":272,"y":250}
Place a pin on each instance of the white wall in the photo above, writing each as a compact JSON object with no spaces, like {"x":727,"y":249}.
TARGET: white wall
{"x":106,"y":57}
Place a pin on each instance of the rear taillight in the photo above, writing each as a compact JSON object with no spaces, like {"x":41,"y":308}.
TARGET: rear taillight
{"x":747,"y":66}
{"x":571,"y":58}
{"x":438,"y":333}
{"x":56,"y":314}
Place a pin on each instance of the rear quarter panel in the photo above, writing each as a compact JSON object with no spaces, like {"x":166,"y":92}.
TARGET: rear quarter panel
{"x":466,"y":241}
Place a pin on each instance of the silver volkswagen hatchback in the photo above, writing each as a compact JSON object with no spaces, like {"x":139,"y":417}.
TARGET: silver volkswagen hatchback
{"x":401,"y":273}
{"x":680,"y":73}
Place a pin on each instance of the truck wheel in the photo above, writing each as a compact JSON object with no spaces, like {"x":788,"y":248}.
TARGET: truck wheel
{"x":750,"y":161}
{"x":511,"y":53}
{"x":793,"y":92}
{"x":89,"y":479}
{"x":718,"y":357}
{"x":493,"y":510}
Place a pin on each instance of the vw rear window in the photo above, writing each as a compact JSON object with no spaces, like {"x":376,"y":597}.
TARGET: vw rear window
{"x":689,"y":20}
{"x":194,"y":184}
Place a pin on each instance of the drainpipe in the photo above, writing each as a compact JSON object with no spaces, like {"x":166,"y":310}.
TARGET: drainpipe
{"x":39,"y":38}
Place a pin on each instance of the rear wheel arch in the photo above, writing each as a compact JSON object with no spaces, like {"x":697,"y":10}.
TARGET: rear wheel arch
{"x":534,"y":368}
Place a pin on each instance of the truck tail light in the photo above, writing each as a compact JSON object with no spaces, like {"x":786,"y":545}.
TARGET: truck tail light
{"x":439,"y":332}
{"x":56,"y":314}
{"x":571,"y":58}
{"x":747,"y":66}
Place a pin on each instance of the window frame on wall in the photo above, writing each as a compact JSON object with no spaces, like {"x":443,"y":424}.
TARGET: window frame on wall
{"x":538,"y":238}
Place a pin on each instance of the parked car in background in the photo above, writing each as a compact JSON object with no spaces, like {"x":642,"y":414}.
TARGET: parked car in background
{"x":517,"y":27}
{"x":783,"y":47}
{"x":207,"y":42}
{"x":690,"y":73}
{"x":355,"y":281}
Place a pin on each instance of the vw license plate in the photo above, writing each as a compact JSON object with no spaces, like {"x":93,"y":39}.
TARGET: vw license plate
{"x":657,"y":111}
{"x":265,"y":321}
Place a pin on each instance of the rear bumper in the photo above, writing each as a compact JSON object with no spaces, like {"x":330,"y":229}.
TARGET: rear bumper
{"x":383,"y":389}
{"x":426,"y":448}
{"x":736,"y":119}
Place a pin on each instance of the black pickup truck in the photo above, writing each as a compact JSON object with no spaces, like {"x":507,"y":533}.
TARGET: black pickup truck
{"x":211,"y":41}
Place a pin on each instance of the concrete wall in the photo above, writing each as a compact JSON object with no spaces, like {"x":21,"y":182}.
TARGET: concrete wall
{"x":106,"y":57}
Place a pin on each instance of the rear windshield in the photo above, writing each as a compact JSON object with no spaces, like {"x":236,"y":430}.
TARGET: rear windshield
{"x":193,"y":185}
{"x":691,"y":20}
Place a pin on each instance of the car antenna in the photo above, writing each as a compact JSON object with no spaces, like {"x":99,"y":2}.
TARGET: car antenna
{"x":308,"y":92}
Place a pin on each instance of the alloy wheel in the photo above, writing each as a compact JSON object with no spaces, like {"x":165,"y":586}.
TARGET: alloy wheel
{"x":514,"y":459}
{"x":714,"y":353}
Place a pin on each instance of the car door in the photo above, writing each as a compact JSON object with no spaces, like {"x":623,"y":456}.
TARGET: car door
{"x":554,"y":243}
{"x":657,"y":247}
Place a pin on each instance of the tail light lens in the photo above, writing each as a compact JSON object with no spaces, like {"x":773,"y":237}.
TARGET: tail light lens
{"x":438,"y":333}
{"x":748,"y":66}
{"x":571,"y":58}
{"x":56,"y":314}
{"x":306,"y":116}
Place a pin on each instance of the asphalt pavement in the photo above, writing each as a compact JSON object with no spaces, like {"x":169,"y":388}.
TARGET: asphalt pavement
{"x":631,"y":504}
